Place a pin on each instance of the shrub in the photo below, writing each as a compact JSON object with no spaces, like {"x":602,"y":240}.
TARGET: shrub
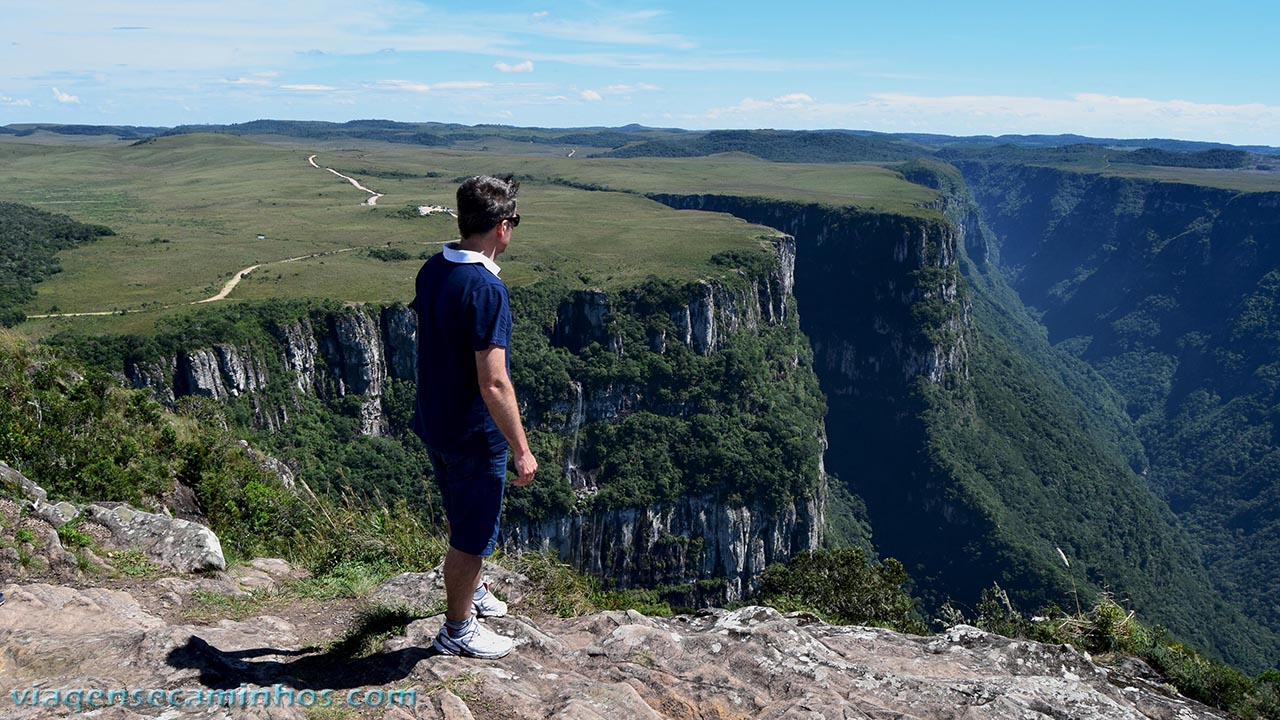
{"x":842,"y":586}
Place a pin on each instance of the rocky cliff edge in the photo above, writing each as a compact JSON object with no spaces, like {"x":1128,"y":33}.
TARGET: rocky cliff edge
{"x":175,"y":635}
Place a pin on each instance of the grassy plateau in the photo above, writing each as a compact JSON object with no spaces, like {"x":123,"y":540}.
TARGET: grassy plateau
{"x":188,"y":211}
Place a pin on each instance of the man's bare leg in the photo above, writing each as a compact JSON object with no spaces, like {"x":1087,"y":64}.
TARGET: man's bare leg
{"x":461,"y":576}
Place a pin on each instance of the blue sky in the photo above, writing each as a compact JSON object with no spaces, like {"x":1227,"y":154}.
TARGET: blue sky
{"x":1125,"y":68}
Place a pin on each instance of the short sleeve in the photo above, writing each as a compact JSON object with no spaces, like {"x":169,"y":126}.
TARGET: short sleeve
{"x":490,"y":317}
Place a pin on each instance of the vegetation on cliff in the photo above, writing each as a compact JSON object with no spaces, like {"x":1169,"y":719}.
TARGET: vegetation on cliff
{"x":742,"y":424}
{"x":1171,"y":301}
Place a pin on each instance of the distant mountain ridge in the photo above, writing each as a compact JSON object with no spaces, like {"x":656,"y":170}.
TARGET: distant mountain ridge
{"x":780,"y":145}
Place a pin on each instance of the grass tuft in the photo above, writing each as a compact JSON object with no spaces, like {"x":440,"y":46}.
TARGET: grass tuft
{"x":372,"y":627}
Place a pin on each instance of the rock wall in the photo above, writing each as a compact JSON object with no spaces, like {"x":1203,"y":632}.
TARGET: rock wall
{"x":357,"y":351}
{"x":868,"y":273}
{"x":694,"y":539}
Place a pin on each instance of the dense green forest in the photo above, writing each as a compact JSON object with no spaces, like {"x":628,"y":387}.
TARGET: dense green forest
{"x":29,"y":242}
{"x":1171,"y":299}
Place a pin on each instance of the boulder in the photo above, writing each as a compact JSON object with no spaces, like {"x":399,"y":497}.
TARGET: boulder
{"x":179,"y":544}
{"x":424,"y":592}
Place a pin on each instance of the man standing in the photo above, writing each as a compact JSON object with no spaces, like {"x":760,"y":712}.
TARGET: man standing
{"x":466,"y":409}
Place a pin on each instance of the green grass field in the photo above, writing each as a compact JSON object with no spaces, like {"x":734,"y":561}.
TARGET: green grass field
{"x":1239,"y":180}
{"x":188,"y":211}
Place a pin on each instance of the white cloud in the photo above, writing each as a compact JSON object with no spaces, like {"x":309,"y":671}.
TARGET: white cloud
{"x":624,"y":89}
{"x":522,"y":67}
{"x":412,"y":86}
{"x":541,"y":14}
{"x":310,"y":88}
{"x":64,"y":97}
{"x":1083,"y":113}
{"x":791,"y":101}
{"x":407,"y":85}
{"x":244,"y":81}
{"x":591,"y":96}
{"x":618,"y":28}
{"x":10,"y":102}
{"x":460,"y":85}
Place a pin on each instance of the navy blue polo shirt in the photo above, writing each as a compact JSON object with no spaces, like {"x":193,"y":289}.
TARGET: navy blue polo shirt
{"x":462,"y":308}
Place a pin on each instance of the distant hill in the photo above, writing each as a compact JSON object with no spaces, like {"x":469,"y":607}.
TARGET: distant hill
{"x":1052,"y":141}
{"x":776,"y":145}
{"x":124,"y":132}
{"x":430,"y":134}
{"x":634,"y":140}
{"x":1219,"y":158}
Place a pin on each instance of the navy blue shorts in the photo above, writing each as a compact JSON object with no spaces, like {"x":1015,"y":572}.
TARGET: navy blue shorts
{"x":471,"y":486}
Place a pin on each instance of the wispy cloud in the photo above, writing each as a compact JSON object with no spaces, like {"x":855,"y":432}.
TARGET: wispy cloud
{"x":244,"y":81}
{"x":895,"y":76}
{"x":130,"y":27}
{"x":789,"y":102}
{"x":522,"y":67}
{"x":309,"y":87}
{"x":623,"y":28}
{"x":421,"y":87}
{"x":627,"y":89}
{"x":590,"y":96}
{"x":406,"y":85}
{"x":64,"y":97}
{"x":460,"y":85}
{"x":1084,"y":113}
{"x":11,"y":102}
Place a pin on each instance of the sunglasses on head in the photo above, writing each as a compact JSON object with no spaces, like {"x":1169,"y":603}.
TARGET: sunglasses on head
{"x":514,"y":220}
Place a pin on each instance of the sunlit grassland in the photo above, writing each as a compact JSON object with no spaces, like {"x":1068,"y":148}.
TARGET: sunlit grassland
{"x":188,"y":211}
{"x":1238,"y":180}
{"x":868,"y":186}
{"x":1241,"y":180}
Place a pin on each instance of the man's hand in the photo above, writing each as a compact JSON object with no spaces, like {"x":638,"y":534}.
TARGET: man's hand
{"x":500,"y":397}
{"x":526,"y":466}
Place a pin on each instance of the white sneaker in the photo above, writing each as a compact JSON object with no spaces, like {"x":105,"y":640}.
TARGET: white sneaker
{"x":475,"y":641}
{"x":488,"y":605}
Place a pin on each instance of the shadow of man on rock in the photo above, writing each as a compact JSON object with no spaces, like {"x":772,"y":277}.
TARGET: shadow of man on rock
{"x":337,"y":668}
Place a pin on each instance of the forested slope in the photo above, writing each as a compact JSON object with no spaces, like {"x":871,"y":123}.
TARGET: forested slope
{"x":1168,"y":291}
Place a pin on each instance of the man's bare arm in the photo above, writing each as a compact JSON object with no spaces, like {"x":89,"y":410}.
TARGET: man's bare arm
{"x":500,"y":397}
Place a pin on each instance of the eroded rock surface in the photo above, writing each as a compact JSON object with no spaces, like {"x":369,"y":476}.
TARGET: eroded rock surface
{"x":748,"y":663}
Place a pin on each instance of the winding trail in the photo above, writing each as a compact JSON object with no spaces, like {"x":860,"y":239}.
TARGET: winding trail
{"x":373,"y":194}
{"x":222,"y":294}
{"x":231,"y":285}
{"x":235,"y":279}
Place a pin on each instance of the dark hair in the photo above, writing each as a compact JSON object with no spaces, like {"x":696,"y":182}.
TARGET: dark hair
{"x":484,"y":201}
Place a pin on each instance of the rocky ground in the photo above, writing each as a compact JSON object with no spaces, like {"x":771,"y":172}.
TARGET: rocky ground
{"x":78,"y":621}
{"x":179,"y":634}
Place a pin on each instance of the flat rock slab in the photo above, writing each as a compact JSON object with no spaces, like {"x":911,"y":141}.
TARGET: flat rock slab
{"x":747,"y":663}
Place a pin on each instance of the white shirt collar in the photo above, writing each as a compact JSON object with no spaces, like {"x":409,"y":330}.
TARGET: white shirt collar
{"x":453,"y":254}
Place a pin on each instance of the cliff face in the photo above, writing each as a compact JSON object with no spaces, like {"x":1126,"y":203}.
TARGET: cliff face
{"x":693,"y":539}
{"x":892,"y":281}
{"x":883,"y":303}
{"x":616,"y":352}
